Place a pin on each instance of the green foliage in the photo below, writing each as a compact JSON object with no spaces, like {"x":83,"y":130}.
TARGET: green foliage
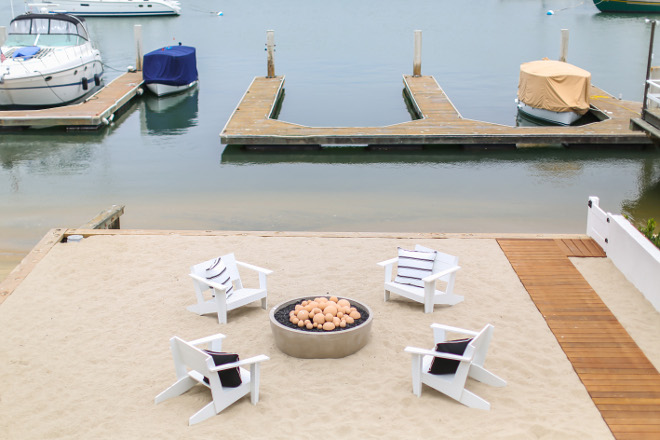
{"x":649,"y":232}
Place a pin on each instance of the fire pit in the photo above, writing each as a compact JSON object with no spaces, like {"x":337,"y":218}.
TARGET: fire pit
{"x":316,"y":343}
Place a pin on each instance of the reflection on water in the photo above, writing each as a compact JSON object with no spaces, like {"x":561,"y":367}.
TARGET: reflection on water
{"x":171,"y":114}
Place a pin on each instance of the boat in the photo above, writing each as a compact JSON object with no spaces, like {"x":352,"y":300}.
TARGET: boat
{"x":646,"y":7}
{"x":170,"y":69}
{"x":553,"y":91}
{"x":48,"y":60}
{"x":107,"y":8}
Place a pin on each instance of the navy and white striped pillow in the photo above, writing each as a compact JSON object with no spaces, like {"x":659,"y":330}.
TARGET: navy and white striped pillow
{"x":413,"y":266}
{"x":218,"y":273}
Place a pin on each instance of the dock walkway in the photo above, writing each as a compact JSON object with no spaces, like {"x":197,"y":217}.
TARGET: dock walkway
{"x":252,"y":123}
{"x":95,"y":112}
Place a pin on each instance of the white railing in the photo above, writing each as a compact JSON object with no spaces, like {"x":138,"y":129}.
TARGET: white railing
{"x":630,"y":251}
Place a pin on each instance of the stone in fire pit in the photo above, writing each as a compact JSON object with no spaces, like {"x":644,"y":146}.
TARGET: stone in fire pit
{"x":318,"y":343}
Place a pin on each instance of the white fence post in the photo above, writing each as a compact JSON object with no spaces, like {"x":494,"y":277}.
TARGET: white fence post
{"x":598,"y":223}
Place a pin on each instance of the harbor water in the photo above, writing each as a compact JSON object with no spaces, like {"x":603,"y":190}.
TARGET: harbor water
{"x":343,"y":62}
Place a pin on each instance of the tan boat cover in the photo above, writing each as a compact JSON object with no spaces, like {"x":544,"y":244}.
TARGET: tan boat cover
{"x":554,"y":85}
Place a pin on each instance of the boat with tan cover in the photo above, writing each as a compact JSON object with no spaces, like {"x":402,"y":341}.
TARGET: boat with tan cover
{"x":553,"y":91}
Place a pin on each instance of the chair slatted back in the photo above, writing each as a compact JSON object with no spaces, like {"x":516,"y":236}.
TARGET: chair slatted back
{"x":186,"y":355}
{"x":481,"y":343}
{"x":442,"y":261}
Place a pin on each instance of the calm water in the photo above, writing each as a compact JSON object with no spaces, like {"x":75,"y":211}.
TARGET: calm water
{"x":343,"y":62}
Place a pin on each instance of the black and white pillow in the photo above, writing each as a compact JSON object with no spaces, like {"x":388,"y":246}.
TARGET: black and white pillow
{"x":448,"y":366}
{"x":218,"y":273}
{"x":230,"y":378}
{"x":413,"y":266}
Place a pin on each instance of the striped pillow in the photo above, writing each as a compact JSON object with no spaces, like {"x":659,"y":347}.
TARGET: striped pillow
{"x":218,"y":273}
{"x":413,"y":266}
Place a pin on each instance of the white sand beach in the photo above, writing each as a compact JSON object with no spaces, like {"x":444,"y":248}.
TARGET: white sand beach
{"x":85,"y":344}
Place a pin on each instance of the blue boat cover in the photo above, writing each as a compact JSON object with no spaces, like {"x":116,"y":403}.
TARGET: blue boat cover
{"x":26,"y":52}
{"x":171,"y":65}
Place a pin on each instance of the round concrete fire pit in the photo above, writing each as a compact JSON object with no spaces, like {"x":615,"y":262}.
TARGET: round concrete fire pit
{"x":319,"y":344}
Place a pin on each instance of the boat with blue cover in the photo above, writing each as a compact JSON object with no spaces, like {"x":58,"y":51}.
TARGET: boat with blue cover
{"x":170,"y":69}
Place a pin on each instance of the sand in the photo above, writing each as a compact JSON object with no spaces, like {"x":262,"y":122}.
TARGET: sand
{"x":85,"y":345}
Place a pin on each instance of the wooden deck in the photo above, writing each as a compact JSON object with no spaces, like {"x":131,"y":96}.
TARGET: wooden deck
{"x":620,"y":379}
{"x":95,"y":112}
{"x":439,"y":122}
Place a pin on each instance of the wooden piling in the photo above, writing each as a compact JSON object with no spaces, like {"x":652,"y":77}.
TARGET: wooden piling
{"x":270,"y":48}
{"x":417,"y":57}
{"x":107,"y":219}
{"x":137,"y":33}
{"x":564,"y":45}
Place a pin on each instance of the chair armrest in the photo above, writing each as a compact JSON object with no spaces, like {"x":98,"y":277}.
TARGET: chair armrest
{"x":253,"y":267}
{"x":248,"y":361}
{"x":437,"y":275}
{"x":454,"y":329}
{"x":216,"y":286}
{"x":389,"y":262}
{"x":440,"y":354}
{"x":207,"y":339}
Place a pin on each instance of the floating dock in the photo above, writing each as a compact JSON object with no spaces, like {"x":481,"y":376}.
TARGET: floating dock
{"x":96,"y":111}
{"x":253,"y":123}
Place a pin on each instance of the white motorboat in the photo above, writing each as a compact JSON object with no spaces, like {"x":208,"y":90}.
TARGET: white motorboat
{"x":107,"y":8}
{"x":170,"y":69}
{"x":48,"y":60}
{"x":553,"y":91}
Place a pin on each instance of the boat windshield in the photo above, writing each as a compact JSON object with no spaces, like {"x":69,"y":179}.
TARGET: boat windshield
{"x":45,"y":32}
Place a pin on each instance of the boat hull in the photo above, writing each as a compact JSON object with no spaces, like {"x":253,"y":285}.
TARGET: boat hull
{"x":559,"y":118}
{"x":47,"y":86}
{"x":628,"y":6}
{"x":108,"y":8}
{"x":164,"y":89}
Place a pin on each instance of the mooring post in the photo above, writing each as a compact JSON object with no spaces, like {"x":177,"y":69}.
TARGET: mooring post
{"x":3,"y":35}
{"x":564,"y":45}
{"x":648,"y":68}
{"x":417,"y":59}
{"x":137,"y":33}
{"x":270,"y":48}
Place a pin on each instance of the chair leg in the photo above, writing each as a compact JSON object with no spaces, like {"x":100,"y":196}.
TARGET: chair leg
{"x":180,"y":386}
{"x":203,"y":414}
{"x":264,"y":303}
{"x":387,"y":295}
{"x":221,"y":307}
{"x":473,"y":401}
{"x":254,"y":383}
{"x":482,"y":375}
{"x":417,"y":374}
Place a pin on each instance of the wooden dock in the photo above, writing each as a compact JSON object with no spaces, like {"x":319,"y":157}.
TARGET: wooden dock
{"x":98,"y":110}
{"x":439,"y":123}
{"x":622,"y":382}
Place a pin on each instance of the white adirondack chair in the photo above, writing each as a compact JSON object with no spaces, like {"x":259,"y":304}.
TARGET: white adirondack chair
{"x":218,"y":302}
{"x":192,"y":365}
{"x":471,"y":364}
{"x":445,"y":267}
